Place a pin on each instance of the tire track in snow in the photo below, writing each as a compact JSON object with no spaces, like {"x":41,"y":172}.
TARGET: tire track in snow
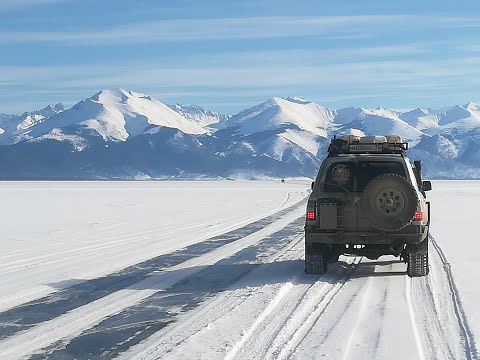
{"x":381,"y":315}
{"x":256,"y":341}
{"x":41,"y":268}
{"x":277,"y":333}
{"x":471,"y":351}
{"x":277,"y":269}
{"x":369,"y":332}
{"x":267,"y":338}
{"x":311,"y":307}
{"x":365,"y":298}
{"x":28,"y":315}
{"x":341,"y":327}
{"x":433,"y":341}
{"x":72,"y":324}
{"x":119,"y":332}
{"x":93,"y":246}
{"x":438,"y":321}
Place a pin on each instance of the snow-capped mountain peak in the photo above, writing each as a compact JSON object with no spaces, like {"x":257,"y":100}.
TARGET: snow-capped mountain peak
{"x":14,"y":127}
{"x":383,"y":122}
{"x":298,"y":100}
{"x":111,"y":96}
{"x":458,"y":118}
{"x":278,"y":112}
{"x":29,"y":121}
{"x":198,"y":114}
{"x":381,"y":112}
{"x":452,"y":114}
{"x":279,"y":137}
{"x":472,"y":107}
{"x":420,"y":119}
{"x":116,"y":114}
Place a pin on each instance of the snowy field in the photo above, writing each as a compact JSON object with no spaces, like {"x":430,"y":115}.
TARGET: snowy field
{"x":214,"y":270}
{"x":454,"y":227}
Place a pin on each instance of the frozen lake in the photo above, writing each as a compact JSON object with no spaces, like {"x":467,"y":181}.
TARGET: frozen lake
{"x":215,"y":270}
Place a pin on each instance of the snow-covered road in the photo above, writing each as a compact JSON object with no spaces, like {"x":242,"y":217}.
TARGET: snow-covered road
{"x":361,"y":309}
{"x":237,"y":291}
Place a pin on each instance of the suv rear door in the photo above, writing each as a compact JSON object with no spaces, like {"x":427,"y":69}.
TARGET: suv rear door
{"x":367,"y":170}
{"x":337,"y":187}
{"x":343,"y":182}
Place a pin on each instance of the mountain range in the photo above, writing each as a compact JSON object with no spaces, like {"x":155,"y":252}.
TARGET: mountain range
{"x":119,"y":134}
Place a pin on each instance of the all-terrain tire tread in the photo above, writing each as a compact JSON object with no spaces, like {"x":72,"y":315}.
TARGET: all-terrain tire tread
{"x":417,"y":264}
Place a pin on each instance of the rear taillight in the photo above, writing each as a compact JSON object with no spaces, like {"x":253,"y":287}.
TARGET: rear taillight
{"x":311,"y":210}
{"x":418,"y":215}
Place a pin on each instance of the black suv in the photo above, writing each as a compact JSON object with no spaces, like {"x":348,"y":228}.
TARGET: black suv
{"x":368,"y":199}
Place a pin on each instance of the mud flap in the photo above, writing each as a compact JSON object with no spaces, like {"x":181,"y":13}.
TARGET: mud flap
{"x":316,"y":260}
{"x":421,"y":247}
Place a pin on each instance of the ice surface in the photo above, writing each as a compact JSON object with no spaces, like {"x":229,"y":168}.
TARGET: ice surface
{"x":54,"y":233}
{"x":58,"y":234}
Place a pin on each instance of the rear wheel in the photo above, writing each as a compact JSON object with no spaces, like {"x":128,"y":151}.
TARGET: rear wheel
{"x":417,"y":259}
{"x":417,"y":265}
{"x":316,"y":259}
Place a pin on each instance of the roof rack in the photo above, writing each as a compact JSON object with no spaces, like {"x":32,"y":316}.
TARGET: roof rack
{"x":350,"y":144}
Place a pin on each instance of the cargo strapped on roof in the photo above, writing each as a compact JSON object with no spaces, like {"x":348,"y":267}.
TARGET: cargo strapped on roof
{"x":352,"y":145}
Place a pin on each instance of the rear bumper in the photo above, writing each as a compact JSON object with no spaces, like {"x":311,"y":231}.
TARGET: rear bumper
{"x":410,"y":235}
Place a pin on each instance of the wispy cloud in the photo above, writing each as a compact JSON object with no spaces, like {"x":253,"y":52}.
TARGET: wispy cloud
{"x":355,"y":75}
{"x":459,"y":22}
{"x":179,"y":65}
{"x":10,"y":5}
{"x":167,"y":31}
{"x":301,"y":57}
{"x":328,"y":76}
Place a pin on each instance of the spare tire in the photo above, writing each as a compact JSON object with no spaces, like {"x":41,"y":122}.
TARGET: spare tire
{"x":390,"y":202}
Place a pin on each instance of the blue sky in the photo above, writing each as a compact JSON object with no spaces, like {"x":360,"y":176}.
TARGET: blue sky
{"x":230,"y":55}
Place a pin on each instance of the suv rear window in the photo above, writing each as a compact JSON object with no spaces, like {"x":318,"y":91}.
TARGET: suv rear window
{"x":354,"y":176}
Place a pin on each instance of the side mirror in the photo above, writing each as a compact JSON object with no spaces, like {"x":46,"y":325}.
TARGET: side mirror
{"x":426,"y":185}
{"x":313,"y":183}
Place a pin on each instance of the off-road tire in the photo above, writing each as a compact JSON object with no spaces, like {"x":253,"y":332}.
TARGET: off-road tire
{"x":390,"y":202}
{"x":315,"y":260}
{"x":417,"y":264}
{"x":417,"y":259}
